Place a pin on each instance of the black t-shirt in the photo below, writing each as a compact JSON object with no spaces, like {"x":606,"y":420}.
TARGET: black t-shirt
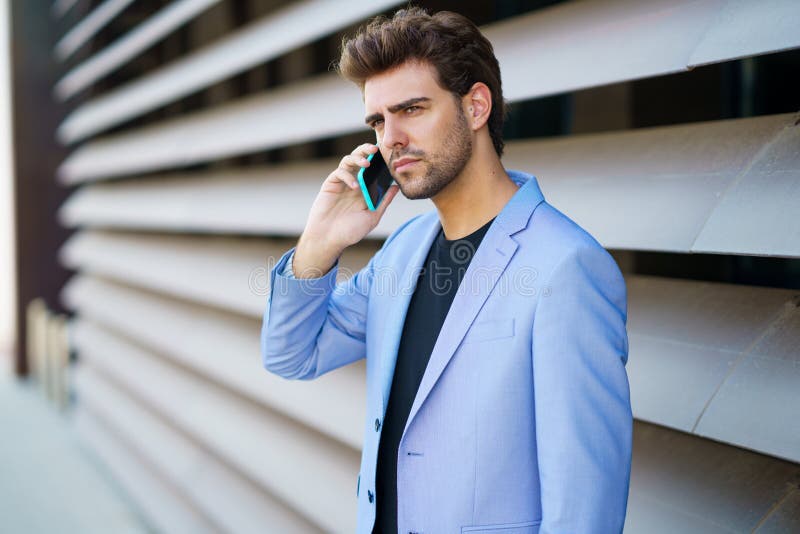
{"x":437,"y":284}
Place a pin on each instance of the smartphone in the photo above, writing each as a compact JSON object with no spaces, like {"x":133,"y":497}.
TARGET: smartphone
{"x":374,"y":180}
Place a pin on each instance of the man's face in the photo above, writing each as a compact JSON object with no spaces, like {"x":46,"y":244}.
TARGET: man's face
{"x":422,"y":131}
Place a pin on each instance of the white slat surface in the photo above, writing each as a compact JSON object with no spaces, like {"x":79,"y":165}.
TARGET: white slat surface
{"x":265,"y":200}
{"x":758,"y":405}
{"x":745,"y":28}
{"x":682,"y":483}
{"x":574,"y":33}
{"x":129,"y":45}
{"x":718,"y":360}
{"x":687,"y":336}
{"x":272,"y":119}
{"x":258,"y":42}
{"x":223,"y":347}
{"x":232,"y":502}
{"x":758,"y":213}
{"x":724,"y":187}
{"x":270,"y":448}
{"x":167,"y":509}
{"x":89,"y":26}
{"x":226,"y":273}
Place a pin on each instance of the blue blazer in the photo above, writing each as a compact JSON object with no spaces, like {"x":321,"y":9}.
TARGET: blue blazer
{"x":522,"y":422}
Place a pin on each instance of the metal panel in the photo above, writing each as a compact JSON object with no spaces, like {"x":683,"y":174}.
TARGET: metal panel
{"x":275,"y":118}
{"x":758,"y":406}
{"x":333,"y":405}
{"x":264,"y":444}
{"x":288,"y":28}
{"x":231,"y":501}
{"x":226,"y":273}
{"x":686,"y":337}
{"x":745,"y":28}
{"x":129,"y":45}
{"x":574,"y":34}
{"x":265,"y":200}
{"x":668,"y":180}
{"x":166,"y":509}
{"x":732,"y":183}
{"x":89,"y":26}
{"x":682,"y":483}
{"x":758,"y":214}
{"x":576,"y":45}
{"x":785,"y":517}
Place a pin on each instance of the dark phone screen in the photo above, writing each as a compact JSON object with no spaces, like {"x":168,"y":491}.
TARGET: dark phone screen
{"x":377,"y":178}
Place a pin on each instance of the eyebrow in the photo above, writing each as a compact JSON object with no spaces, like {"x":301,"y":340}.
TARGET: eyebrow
{"x":397,"y":107}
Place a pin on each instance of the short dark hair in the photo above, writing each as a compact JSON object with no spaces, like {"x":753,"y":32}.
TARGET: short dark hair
{"x":450,"y":42}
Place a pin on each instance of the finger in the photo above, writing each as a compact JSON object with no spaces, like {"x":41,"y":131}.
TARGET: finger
{"x":353,"y":163}
{"x":364,"y":150}
{"x":342,"y":176}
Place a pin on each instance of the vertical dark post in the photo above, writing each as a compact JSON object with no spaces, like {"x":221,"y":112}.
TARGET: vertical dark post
{"x":37,"y":196}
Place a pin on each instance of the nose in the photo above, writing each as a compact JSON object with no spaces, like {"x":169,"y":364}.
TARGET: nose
{"x":394,"y":135}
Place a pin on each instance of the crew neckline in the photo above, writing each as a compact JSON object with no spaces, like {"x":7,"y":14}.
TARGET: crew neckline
{"x":474,"y":235}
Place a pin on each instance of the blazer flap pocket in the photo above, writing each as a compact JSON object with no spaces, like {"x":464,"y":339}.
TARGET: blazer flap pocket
{"x":486,"y":330}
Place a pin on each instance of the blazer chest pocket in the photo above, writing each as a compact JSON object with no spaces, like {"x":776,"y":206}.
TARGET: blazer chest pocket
{"x":489,"y":330}
{"x":528,"y":527}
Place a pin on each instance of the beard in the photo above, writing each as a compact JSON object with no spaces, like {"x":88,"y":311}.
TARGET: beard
{"x":442,"y":167}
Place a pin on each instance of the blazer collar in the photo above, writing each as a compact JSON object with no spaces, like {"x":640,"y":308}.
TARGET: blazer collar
{"x":516,"y":214}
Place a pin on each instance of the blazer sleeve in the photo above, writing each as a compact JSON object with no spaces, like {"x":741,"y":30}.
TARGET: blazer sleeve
{"x":312,"y":325}
{"x":584,"y":422}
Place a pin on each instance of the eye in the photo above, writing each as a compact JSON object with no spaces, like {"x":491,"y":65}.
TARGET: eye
{"x":376,"y":124}
{"x":412,"y":109}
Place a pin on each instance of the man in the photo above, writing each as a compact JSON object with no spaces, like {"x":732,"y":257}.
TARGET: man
{"x":493,"y":327}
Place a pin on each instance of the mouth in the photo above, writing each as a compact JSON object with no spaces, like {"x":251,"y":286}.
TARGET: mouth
{"x":403,"y":164}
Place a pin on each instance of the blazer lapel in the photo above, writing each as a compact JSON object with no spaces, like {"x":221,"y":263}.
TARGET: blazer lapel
{"x":485,"y":269}
{"x":398,"y":300}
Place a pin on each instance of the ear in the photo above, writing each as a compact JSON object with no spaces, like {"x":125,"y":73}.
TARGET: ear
{"x":477,"y":105}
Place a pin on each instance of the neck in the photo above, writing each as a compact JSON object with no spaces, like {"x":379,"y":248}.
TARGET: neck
{"x":475,"y":196}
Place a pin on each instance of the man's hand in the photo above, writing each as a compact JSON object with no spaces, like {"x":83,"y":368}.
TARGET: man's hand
{"x":338,"y":218}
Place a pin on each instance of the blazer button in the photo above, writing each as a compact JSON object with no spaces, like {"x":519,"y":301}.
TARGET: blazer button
{"x":377,"y":424}
{"x":370,"y":496}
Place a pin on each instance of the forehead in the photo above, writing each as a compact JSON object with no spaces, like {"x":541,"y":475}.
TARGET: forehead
{"x":409,"y":80}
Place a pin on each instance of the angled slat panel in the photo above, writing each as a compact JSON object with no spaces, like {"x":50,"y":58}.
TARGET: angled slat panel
{"x":129,"y":45}
{"x":590,"y":43}
{"x":249,"y":124}
{"x":89,"y":26}
{"x":232,"y":502}
{"x":687,"y":337}
{"x":655,"y":188}
{"x":234,"y":201}
{"x":292,"y":26}
{"x":682,"y":483}
{"x":269,"y":447}
{"x":724,"y":187}
{"x":166,"y":509}
{"x":758,"y":405}
{"x":758,"y":214}
{"x":745,"y":28}
{"x":574,"y":33}
{"x":226,"y":273}
{"x":785,"y":517}
{"x":226,"y":350}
